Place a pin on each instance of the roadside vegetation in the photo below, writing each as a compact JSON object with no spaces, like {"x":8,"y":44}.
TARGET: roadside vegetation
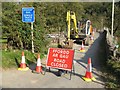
{"x":111,"y":73}
{"x":50,"y":18}
{"x":110,"y":68}
{"x":12,"y":58}
{"x":113,"y":64}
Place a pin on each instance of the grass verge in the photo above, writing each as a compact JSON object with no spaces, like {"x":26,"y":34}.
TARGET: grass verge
{"x":11,"y":59}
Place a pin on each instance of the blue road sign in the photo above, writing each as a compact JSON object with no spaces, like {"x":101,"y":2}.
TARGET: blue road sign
{"x":28,"y":14}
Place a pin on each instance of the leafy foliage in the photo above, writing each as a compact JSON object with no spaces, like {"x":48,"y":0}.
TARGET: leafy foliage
{"x":19,"y":33}
{"x":113,"y":73}
{"x":51,"y":18}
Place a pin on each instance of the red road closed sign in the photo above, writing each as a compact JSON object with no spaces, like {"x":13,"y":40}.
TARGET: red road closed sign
{"x":60,"y":58}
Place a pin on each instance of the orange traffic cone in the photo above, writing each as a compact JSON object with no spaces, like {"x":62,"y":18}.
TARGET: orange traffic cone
{"x":23,"y":66}
{"x":93,"y":33}
{"x":82,"y":48}
{"x":92,"y":37}
{"x":38,"y":67}
{"x":88,"y":76}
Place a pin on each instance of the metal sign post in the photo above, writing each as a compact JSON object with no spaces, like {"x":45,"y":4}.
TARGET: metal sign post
{"x":28,"y":16}
{"x":112,"y":20}
{"x":32,"y":37}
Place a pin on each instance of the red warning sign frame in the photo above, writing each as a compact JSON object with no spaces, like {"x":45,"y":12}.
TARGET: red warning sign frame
{"x":60,"y":58}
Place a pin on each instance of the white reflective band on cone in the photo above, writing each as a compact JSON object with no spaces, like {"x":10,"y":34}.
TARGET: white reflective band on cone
{"x":23,"y":59}
{"x":38,"y":62}
{"x":89,"y":68}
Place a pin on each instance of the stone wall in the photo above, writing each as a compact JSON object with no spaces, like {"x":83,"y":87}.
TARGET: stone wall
{"x":112,"y":51}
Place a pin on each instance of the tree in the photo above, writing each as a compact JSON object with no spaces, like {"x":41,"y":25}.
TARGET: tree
{"x":11,"y":24}
{"x":51,"y":18}
{"x":108,"y":19}
{"x":96,"y":12}
{"x":117,"y":19}
{"x":19,"y":33}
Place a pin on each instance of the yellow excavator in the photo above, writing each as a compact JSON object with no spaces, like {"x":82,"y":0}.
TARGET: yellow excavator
{"x":74,"y":31}
{"x":79,"y":31}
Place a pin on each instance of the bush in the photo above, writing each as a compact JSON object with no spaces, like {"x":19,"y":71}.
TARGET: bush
{"x":113,"y":73}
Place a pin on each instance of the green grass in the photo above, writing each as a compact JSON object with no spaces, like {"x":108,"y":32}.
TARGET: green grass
{"x":3,"y":40}
{"x":112,"y":73}
{"x":11,"y":59}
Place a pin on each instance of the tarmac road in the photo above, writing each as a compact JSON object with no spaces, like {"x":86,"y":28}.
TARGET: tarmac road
{"x":18,"y":79}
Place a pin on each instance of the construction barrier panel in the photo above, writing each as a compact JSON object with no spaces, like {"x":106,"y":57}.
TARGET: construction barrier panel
{"x":60,"y":58}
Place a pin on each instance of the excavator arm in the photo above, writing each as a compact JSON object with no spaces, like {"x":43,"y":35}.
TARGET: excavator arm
{"x":71,"y":16}
{"x":68,"y":24}
{"x":72,"y":30}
